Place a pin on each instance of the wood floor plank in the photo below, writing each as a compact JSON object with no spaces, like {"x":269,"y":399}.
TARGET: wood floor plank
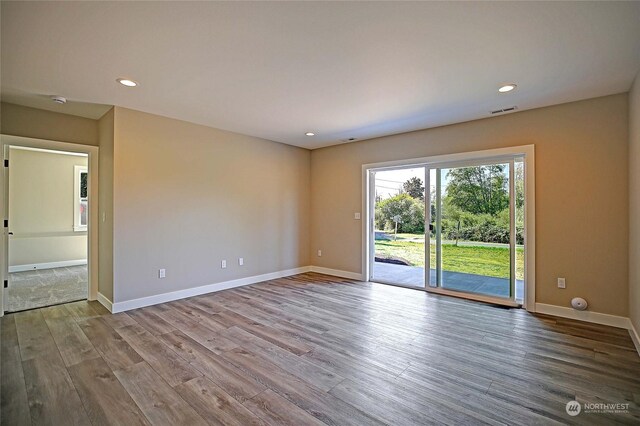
{"x":281,"y":312}
{"x":248,"y":307}
{"x":477,"y":402}
{"x":8,"y":330}
{"x":121,"y":319}
{"x":103,"y":396}
{"x":168,"y":364}
{"x":170,"y":314}
{"x":204,"y":318}
{"x":14,"y":407}
{"x":298,"y":366}
{"x":53,"y":399}
{"x":157,"y":400}
{"x":206,"y":304}
{"x":225,"y":375}
{"x":373,"y":404}
{"x":73,"y":344}
{"x":401,"y":392}
{"x":216,"y":406}
{"x":83,"y":310}
{"x":350,"y":366}
{"x":150,"y":321}
{"x":34,"y":336}
{"x":57,"y":311}
{"x":278,"y":338}
{"x":215,"y":342}
{"x":319,"y":404}
{"x":543,"y":401}
{"x":278,"y":411}
{"x":98,"y":307}
{"x":109,"y":344}
{"x":229,"y":318}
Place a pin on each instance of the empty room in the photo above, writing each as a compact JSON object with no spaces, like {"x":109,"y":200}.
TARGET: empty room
{"x":320,"y":213}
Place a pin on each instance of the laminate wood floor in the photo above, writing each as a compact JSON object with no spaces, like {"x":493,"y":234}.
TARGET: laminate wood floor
{"x":311,"y":350}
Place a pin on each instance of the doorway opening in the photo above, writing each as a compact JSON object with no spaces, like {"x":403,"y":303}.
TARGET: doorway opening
{"x":48,"y":215}
{"x":459,"y":224}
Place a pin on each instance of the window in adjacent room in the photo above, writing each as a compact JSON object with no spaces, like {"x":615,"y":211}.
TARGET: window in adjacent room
{"x":80,"y":198}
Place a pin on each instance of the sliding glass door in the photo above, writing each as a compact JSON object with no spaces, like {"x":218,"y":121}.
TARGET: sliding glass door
{"x":475,"y":246}
{"x":450,"y":227}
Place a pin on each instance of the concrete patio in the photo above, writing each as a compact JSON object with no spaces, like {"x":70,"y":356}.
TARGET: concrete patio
{"x":413,"y":276}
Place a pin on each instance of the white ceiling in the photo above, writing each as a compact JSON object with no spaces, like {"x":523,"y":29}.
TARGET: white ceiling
{"x":341,"y":70}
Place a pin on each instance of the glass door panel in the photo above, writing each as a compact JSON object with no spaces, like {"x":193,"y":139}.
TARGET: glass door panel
{"x":432,"y":254}
{"x":473,"y":229}
{"x":399,"y":227}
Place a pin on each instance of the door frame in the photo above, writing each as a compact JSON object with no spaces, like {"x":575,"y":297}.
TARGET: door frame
{"x":525,"y":151}
{"x":92,"y":224}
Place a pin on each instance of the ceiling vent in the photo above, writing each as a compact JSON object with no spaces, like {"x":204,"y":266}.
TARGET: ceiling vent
{"x":503,"y":110}
{"x":59,"y":100}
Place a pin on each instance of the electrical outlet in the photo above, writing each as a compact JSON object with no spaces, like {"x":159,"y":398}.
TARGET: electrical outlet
{"x":319,"y":253}
{"x":241,"y":261}
{"x":562,"y":283}
{"x":223,"y":264}
{"x":356,"y":216}
{"x":162,"y":273}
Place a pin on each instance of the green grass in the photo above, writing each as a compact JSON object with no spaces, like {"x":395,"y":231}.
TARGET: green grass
{"x":488,"y":261}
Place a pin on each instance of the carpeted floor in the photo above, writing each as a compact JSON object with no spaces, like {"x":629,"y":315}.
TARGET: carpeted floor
{"x":45,"y":287}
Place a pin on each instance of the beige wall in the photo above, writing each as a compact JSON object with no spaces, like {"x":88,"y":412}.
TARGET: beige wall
{"x":41,"y":204}
{"x":581,"y":193}
{"x":634,"y":204}
{"x":105,"y":205}
{"x":187,"y":196}
{"x":19,"y":120}
{"x":182,"y":197}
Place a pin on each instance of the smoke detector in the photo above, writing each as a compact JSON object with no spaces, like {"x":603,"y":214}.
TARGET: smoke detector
{"x":59,"y":100}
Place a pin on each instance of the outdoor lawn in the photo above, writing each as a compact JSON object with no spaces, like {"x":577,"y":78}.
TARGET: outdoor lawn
{"x":468,"y":257}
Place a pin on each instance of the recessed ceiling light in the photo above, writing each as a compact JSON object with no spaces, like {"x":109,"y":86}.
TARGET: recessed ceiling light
{"x":310,"y":134}
{"x":127,"y":82}
{"x":507,"y":88}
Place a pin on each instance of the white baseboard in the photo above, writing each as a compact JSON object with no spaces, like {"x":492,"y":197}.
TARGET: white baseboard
{"x":634,"y":336}
{"x":49,"y":265}
{"x":196,"y":291}
{"x":337,"y":273}
{"x":105,"y":302}
{"x":588,"y":316}
{"x":211,"y":288}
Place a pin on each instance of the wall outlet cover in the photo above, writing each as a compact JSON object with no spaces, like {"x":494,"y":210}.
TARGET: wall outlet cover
{"x":562,"y":283}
